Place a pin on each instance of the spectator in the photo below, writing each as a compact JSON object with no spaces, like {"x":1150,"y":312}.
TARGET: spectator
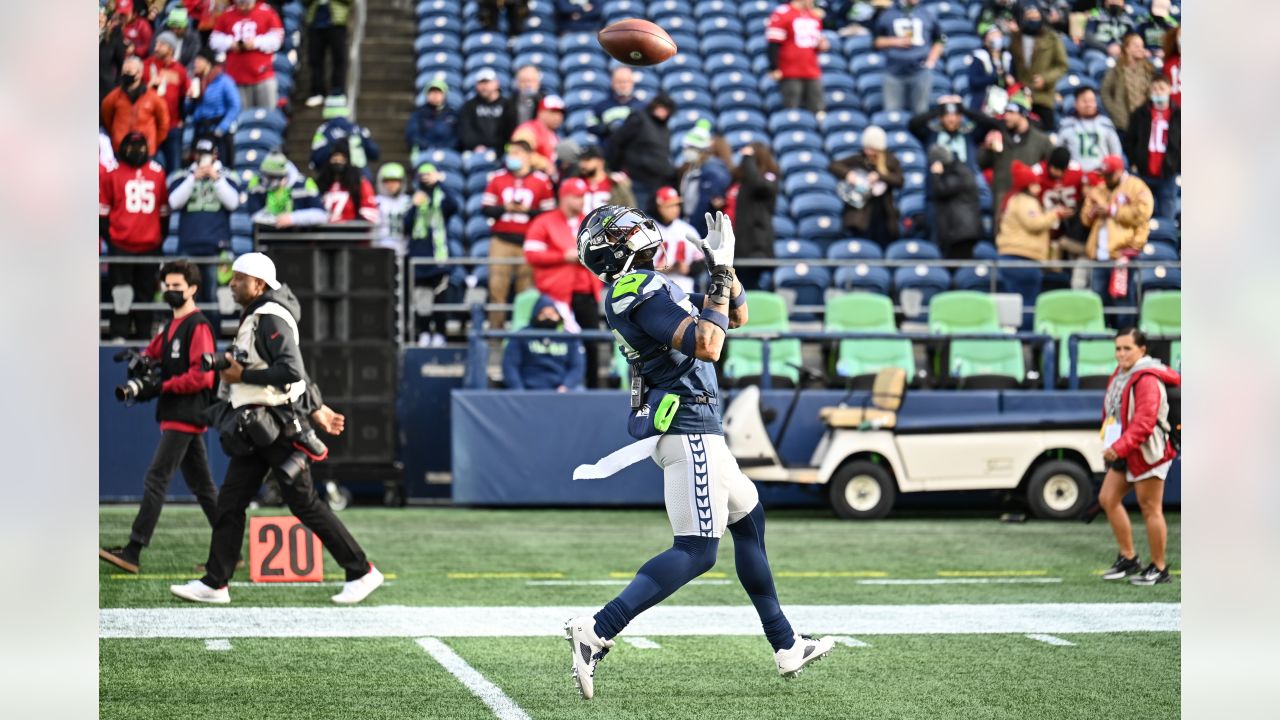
{"x":168,"y":78}
{"x":517,"y":12}
{"x":282,"y":197}
{"x":1062,"y":186}
{"x":953,"y":194}
{"x":527,"y":96}
{"x":795,"y":38}
{"x":953,"y":126}
{"x":578,"y":16}
{"x":111,"y":52}
{"x":1155,"y":146}
{"x":327,"y":35}
{"x":544,"y":363}
{"x":250,"y":33}
{"x":338,"y":128}
{"x":1057,"y":15}
{"x":991,"y":67}
{"x":642,"y":149}
{"x":1108,"y":24}
{"x":487,"y":119}
{"x":513,"y":197}
{"x":853,"y":17}
{"x":603,"y":188}
{"x":215,"y":102}
{"x":187,"y":44}
{"x":135,"y":107}
{"x":754,"y":197}
{"x":1126,"y":86}
{"x":1118,"y":215}
{"x":1172,"y":67}
{"x":434,"y":124}
{"x":347,"y":194}
{"x":679,"y":255}
{"x":1039,"y":62}
{"x":912,"y":41}
{"x":1155,"y":25}
{"x":704,"y":174}
{"x":609,"y":114}
{"x":1017,"y":140}
{"x":1000,"y":14}
{"x":1089,"y":136}
{"x":867,"y":181}
{"x":541,"y":133}
{"x":425,"y":225}
{"x":204,"y":13}
{"x":1024,"y":235}
{"x":135,"y":202}
{"x":136,"y":29}
{"x":393,"y":206}
{"x":206,"y":193}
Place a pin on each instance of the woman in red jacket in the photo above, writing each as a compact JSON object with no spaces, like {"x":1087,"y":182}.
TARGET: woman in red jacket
{"x":1135,"y":433}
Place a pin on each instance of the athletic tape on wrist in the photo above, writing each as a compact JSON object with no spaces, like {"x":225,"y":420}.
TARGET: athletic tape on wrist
{"x":738,"y":300}
{"x":715,"y":317}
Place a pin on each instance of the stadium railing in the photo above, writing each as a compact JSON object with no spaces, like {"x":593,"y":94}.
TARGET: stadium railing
{"x":1073,"y":351}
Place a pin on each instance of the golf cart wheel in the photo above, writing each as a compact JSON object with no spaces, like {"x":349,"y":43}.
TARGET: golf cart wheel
{"x":862,"y":490}
{"x":1059,"y":490}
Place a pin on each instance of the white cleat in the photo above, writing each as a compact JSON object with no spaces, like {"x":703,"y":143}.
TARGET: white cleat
{"x":588,"y":649}
{"x":806,"y":650}
{"x":196,"y":591}
{"x":353,"y":591}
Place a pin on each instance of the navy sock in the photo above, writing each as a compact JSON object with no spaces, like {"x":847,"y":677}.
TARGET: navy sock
{"x":757,"y":578}
{"x":688,"y":557}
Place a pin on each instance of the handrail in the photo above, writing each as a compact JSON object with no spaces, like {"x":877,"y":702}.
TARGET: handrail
{"x":1073,"y":352}
{"x":357,"y":18}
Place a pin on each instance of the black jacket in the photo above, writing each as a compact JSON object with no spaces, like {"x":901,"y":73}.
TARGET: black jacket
{"x":927,"y":127}
{"x":275,"y":343}
{"x":642,"y":149}
{"x":753,"y":221}
{"x":954,"y":196}
{"x":110,"y":58}
{"x":485,"y":123}
{"x":525,"y":106}
{"x":176,"y":361}
{"x":1138,"y":137}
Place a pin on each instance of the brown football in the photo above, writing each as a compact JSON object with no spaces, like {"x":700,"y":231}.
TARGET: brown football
{"x":637,"y":42}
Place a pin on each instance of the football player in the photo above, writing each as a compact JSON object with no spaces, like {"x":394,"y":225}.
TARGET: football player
{"x":671,"y":339}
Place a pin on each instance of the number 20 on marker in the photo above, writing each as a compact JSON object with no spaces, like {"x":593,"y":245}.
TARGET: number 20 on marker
{"x":282,"y":549}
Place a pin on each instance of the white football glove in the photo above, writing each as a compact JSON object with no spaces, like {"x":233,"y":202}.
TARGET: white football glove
{"x":719,"y":242}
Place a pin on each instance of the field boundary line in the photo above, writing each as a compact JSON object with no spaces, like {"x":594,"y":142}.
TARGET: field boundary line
{"x":1051,"y":639}
{"x":503,"y":707}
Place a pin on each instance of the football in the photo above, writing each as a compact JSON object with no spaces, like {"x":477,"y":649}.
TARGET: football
{"x":636,"y":42}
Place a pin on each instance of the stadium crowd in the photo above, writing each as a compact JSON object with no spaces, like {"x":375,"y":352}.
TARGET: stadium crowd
{"x":1039,"y":131}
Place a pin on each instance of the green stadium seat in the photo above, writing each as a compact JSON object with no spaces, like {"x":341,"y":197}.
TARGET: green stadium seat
{"x":1061,"y":313}
{"x":867,"y":312}
{"x":522,"y":308}
{"x":1161,"y":314}
{"x":766,"y":312}
{"x":977,"y":364}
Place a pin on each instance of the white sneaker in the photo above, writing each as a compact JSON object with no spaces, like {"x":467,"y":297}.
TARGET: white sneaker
{"x":315,"y":101}
{"x":588,"y":649}
{"x":806,"y":650}
{"x":437,"y":340}
{"x":353,"y":591}
{"x":424,"y":340}
{"x":196,"y":591}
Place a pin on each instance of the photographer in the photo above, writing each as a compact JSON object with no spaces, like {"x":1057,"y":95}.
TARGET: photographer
{"x":184,"y":390}
{"x":264,"y":415}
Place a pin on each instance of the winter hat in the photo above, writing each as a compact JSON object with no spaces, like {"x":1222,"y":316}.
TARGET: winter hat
{"x":668,"y":196}
{"x":485,"y":75}
{"x":573,"y":186}
{"x":391,"y":171}
{"x":1112,"y":164}
{"x":169,"y":39}
{"x":699,"y":136}
{"x":1023,"y":176}
{"x":940,"y":153}
{"x":178,"y":18}
{"x":439,"y":84}
{"x":425,"y":168}
{"x":875,"y":138}
{"x":274,"y":165}
{"x":335,"y":106}
{"x":1019,"y":102}
{"x":124,"y":7}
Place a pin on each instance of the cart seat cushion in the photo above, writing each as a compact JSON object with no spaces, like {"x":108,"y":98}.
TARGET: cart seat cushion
{"x":889,"y":387}
{"x":850,"y":417}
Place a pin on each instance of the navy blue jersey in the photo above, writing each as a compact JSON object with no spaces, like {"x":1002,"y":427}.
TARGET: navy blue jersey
{"x":643,"y":310}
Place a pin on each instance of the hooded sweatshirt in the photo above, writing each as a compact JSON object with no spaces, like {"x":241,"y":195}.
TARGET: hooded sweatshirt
{"x":298,"y":196}
{"x":1141,"y":397}
{"x":1090,"y":140}
{"x":543,"y":363}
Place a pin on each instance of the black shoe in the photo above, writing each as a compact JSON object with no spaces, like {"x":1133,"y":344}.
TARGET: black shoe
{"x":1123,"y":568}
{"x":1151,"y":576}
{"x":121,"y":558}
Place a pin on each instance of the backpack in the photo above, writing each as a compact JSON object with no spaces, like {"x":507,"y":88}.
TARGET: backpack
{"x":1174,"y":427}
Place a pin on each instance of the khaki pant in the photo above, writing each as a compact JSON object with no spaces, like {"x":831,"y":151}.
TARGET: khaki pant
{"x":500,"y":277}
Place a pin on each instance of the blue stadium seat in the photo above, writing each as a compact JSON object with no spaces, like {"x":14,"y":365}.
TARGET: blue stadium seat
{"x":732,"y":120}
{"x":1163,"y":230}
{"x":803,"y":161}
{"x":440,"y":23}
{"x":834,"y":81}
{"x":1160,"y":277}
{"x":867,"y":278}
{"x":434,"y":7}
{"x":891,"y":120}
{"x":798,"y":183}
{"x":241,"y":224}
{"x":581,"y":60}
{"x":871,"y":63}
{"x":545,"y":60}
{"x":475,"y":183}
{"x":1158,"y":251}
{"x":912,"y":250}
{"x":740,"y":138}
{"x":911,"y":160}
{"x":441,"y":59}
{"x":928,"y":280}
{"x":720,"y":25}
{"x":843,"y":100}
{"x":808,"y":283}
{"x":736,"y":99}
{"x":241,"y":244}
{"x":586,"y":79}
{"x":794,"y":119}
{"x":259,"y":138}
{"x":954,"y":27}
{"x":958,"y":65}
{"x":499,"y":62}
{"x":756,"y":8}
{"x":985,"y":250}
{"x":248,"y":157}
{"x":819,"y":227}
{"x":797,"y":249}
{"x":534,"y":42}
{"x":843,"y":144}
{"x":856,"y":45}
{"x":712,"y":45}
{"x":471,"y":207}
{"x":264,"y":118}
{"x":480,"y":272}
{"x":844,"y":120}
{"x":781,"y":207}
{"x":584,"y":97}
{"x":680,"y":23}
{"x":685,"y":79}
{"x":485,"y":42}
{"x":977,"y":278}
{"x":447,"y":161}
{"x":725,"y":62}
{"x":815,"y":204}
{"x":478,"y":229}
{"x":913,"y":182}
{"x":911,"y":204}
{"x":873,"y":102}
{"x":479,"y":163}
{"x":730,"y":81}
{"x":576,"y":42}
{"x":962,"y":45}
{"x":796,"y":140}
{"x":757,"y":45}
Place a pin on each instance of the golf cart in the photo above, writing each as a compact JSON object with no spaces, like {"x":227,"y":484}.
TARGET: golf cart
{"x":866,"y":456}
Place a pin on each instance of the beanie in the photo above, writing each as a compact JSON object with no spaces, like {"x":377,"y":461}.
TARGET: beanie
{"x":874,"y":138}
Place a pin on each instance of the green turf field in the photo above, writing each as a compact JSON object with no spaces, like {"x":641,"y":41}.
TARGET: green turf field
{"x":468,"y":560}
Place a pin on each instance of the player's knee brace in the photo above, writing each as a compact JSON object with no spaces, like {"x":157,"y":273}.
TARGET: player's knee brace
{"x":701,"y":552}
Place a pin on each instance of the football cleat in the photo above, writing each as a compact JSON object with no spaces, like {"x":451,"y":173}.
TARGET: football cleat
{"x":805,"y":650}
{"x":588,"y":649}
{"x":196,"y":591}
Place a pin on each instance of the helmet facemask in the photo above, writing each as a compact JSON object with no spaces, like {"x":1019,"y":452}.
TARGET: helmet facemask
{"x":631,"y":237}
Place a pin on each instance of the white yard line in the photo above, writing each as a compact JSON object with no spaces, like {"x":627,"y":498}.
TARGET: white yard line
{"x":852,"y":620}
{"x":643,"y":643}
{"x":1050,"y":639}
{"x":960,"y":581}
{"x":848,"y":641}
{"x":503,"y":707}
{"x":217,"y":644}
{"x":295,"y":585}
{"x":615,"y":582}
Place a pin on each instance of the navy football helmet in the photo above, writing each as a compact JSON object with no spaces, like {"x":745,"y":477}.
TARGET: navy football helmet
{"x":614,"y":239}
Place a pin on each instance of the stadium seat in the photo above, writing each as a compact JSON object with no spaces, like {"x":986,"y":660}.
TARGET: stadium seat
{"x":918,"y":284}
{"x":855,"y":45}
{"x":756,"y":8}
{"x":843,"y":144}
{"x":743,"y":357}
{"x":796,"y":140}
{"x":843,"y":100}
{"x":685,"y":79}
{"x":854,"y":249}
{"x":481,"y":272}
{"x":865,"y":312}
{"x":819,"y":227}
{"x":1162,"y":315}
{"x":477,"y":229}
{"x":985,"y":250}
{"x":1158,"y":251}
{"x":912,"y":250}
{"x":797,"y":249}
{"x":976,"y":364}
{"x":844,"y":120}
{"x":891,"y":120}
{"x":819,"y":203}
{"x":976,"y":278}
{"x":802,"y":284}
{"x":804,"y":162}
{"x":797,"y":183}
{"x":794,"y":119}
{"x":241,"y":224}
{"x":262,"y":117}
{"x":730,"y":81}
{"x":740,"y":138}
{"x":545,"y":60}
{"x":1160,"y":277}
{"x":583,"y":61}
{"x":440,"y":23}
{"x":472,"y":207}
{"x":711,"y":45}
{"x":534,"y":42}
{"x":1061,"y":313}
{"x":863,"y":277}
{"x":783,"y":225}
{"x":725,"y":62}
{"x":486,"y":43}
{"x":721,"y":26}
{"x":740,"y":119}
{"x":241,"y":244}
{"x":590,"y":79}
{"x":871,"y":63}
{"x":714,"y":8}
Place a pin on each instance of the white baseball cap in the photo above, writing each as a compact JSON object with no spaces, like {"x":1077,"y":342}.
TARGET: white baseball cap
{"x":255,"y":264}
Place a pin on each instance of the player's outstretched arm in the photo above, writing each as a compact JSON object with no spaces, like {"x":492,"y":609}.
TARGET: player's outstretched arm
{"x":737,"y":305}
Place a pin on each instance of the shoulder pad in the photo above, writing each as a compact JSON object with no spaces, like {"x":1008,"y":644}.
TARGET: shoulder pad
{"x":634,"y":287}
